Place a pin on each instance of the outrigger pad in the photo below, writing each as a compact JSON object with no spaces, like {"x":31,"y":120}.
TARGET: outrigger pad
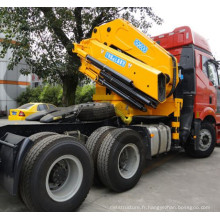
{"x":91,"y":111}
{"x":38,"y":115}
{"x":12,"y":151}
{"x":63,"y":113}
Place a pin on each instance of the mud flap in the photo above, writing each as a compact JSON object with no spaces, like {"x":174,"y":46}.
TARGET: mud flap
{"x":197,"y":127}
{"x":13,"y":148}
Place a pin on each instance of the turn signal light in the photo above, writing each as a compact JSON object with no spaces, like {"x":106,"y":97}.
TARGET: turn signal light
{"x":151,"y":135}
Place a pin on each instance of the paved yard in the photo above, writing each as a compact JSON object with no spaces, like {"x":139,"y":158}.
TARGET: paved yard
{"x":173,"y":182}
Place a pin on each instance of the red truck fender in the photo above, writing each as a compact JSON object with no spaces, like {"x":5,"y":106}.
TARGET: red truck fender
{"x":208,"y":111}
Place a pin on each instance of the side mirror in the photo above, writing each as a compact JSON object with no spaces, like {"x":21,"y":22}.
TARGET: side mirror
{"x":211,"y":83}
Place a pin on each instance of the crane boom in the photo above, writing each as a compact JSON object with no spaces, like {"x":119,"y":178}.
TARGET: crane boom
{"x":131,"y":71}
{"x":121,"y":35}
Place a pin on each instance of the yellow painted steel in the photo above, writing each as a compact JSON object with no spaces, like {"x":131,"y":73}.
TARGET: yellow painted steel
{"x":176,"y":124}
{"x":144,"y":77}
{"x":126,"y":119}
{"x":120,"y":34}
{"x":175,"y":136}
{"x":139,"y":59}
{"x":178,"y":105}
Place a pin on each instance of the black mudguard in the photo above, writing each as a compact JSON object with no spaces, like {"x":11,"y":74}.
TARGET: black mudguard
{"x":197,"y":127}
{"x":13,"y":149}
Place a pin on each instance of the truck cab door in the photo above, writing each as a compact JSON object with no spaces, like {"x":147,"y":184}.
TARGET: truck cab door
{"x":214,"y":82}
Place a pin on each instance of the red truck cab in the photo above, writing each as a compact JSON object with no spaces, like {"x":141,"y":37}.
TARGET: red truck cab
{"x":199,"y":86}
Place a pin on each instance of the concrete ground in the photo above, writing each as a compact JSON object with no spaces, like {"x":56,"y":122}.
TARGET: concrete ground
{"x":172,"y":182}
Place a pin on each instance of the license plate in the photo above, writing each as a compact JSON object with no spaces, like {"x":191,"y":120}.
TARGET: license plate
{"x":14,"y":113}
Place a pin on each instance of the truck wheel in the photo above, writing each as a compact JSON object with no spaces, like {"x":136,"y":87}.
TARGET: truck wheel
{"x":94,"y":143}
{"x":121,"y":159}
{"x":96,"y":111}
{"x":57,"y":175}
{"x":39,"y":136}
{"x":207,"y":140}
{"x":36,"y":138}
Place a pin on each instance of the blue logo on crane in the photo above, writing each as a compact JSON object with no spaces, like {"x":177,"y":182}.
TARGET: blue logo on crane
{"x":140,"y":46}
{"x":115,"y":59}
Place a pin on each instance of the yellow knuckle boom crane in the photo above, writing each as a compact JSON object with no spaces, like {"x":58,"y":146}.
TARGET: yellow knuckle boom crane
{"x":131,"y":71}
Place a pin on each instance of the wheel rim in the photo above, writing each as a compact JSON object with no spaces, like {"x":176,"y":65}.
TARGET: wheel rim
{"x":128,"y":160}
{"x":64,"y":178}
{"x":205,"y":139}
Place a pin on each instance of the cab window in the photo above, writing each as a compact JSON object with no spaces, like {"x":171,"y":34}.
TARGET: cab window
{"x":218,"y":73}
{"x":209,"y":69}
{"x":213,"y":74}
{"x":204,"y":65}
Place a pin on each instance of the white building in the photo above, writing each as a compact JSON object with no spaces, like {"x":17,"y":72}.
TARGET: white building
{"x":12,"y":83}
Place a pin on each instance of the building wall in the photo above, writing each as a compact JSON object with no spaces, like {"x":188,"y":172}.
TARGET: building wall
{"x":12,"y":83}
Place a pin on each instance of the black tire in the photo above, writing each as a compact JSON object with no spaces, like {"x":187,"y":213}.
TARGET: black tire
{"x":35,"y":138}
{"x":94,"y":143}
{"x":206,"y":144}
{"x":110,"y":154}
{"x":40,"y":136}
{"x":96,"y":111}
{"x":39,"y":166}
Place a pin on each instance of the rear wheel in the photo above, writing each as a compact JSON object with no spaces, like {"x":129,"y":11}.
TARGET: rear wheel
{"x":40,"y":136}
{"x":35,"y":138}
{"x":93,"y":145}
{"x":64,"y":178}
{"x":207,"y":141}
{"x":121,"y":159}
{"x":57,"y":175}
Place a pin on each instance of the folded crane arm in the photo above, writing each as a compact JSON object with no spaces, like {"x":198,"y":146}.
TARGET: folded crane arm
{"x":128,"y":63}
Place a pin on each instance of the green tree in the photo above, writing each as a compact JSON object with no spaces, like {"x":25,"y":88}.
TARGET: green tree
{"x":84,"y":93}
{"x":47,"y":94}
{"x":29,"y":95}
{"x":52,"y":94}
{"x":44,"y":38}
